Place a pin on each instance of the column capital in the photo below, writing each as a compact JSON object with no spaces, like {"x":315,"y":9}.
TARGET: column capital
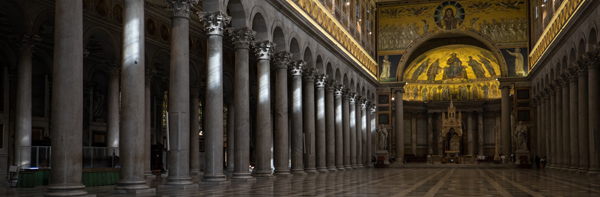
{"x":351,"y":96}
{"x":309,"y":74}
{"x":241,"y":37}
{"x":534,"y":101}
{"x":320,"y":80}
{"x":330,"y":85}
{"x":214,"y":22}
{"x":296,"y":67}
{"x":150,"y":72}
{"x":263,"y":49}
{"x":338,"y":90}
{"x":565,"y":79}
{"x":594,"y":58}
{"x":373,"y":107}
{"x":194,"y":89}
{"x":27,"y":42}
{"x":346,"y":93}
{"x":558,"y":83}
{"x":582,"y":69}
{"x":363,"y":103}
{"x":114,"y":69}
{"x":400,"y":89}
{"x":573,"y":69}
{"x":357,"y":100}
{"x":282,"y":59}
{"x":551,"y":88}
{"x":180,"y":8}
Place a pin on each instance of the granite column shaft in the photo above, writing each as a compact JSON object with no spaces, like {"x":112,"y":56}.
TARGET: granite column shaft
{"x":264,"y":136}
{"x":321,"y":136}
{"x":574,"y":122}
{"x":505,"y":119}
{"x":281,"y":153}
{"x":308,"y":119}
{"x":399,"y":127}
{"x":330,"y":125}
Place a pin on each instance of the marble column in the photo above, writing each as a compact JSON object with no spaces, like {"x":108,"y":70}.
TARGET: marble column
{"x":363,"y":133}
{"x":264,"y":136}
{"x":229,"y":101}
{"x":544,"y":127}
{"x":430,"y":133}
{"x":195,"y":129}
{"x":440,"y":139}
{"x":281,"y":154}
{"x":371,"y":133}
{"x":330,"y":124}
{"x":23,"y":104}
{"x":346,"y":122}
{"x":538,"y":127}
{"x":295,"y":70}
{"x":352,"y":104}
{"x":308,"y":118}
{"x":558,"y":159}
{"x":548,"y":123}
{"x":214,"y":23}
{"x":320,"y":123}
{"x":574,"y":122}
{"x":566,"y":122}
{"x":480,"y":133}
{"x":471,"y":145}
{"x":179,"y":95}
{"x":551,"y":158}
{"x":67,"y":96}
{"x":505,"y":119}
{"x":339,"y":127}
{"x":584,"y":133}
{"x":132,"y":127}
{"x":413,"y":133}
{"x":112,"y":123}
{"x":358,"y":133}
{"x":399,"y":127}
{"x":148,"y":128}
{"x":241,"y":102}
{"x":594,"y":110}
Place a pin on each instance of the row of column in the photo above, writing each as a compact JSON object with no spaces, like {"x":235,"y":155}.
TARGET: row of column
{"x":568,"y":118}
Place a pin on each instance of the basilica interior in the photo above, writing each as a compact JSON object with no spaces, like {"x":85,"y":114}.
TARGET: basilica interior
{"x":299,"y":97}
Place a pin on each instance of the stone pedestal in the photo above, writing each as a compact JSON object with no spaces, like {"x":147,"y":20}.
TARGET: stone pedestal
{"x":386,"y":158}
{"x":520,"y":153}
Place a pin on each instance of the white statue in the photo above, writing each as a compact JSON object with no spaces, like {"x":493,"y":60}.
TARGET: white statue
{"x":518,"y":61}
{"x":521,"y":137}
{"x":383,"y":134}
{"x":385,"y":72}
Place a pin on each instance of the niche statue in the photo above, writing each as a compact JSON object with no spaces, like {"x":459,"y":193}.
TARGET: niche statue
{"x":383,"y":134}
{"x":521,"y":137}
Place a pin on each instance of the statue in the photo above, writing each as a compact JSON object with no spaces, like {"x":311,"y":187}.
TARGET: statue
{"x":518,"y":61}
{"x":383,"y":134}
{"x":521,"y":137}
{"x":98,"y":103}
{"x":385,"y":73}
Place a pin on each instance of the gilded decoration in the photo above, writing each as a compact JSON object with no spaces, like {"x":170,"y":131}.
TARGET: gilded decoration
{"x":452,"y":130}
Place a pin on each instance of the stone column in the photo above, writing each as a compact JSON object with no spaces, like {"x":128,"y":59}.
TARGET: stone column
{"x":566,"y":122}
{"x":264,"y":136}
{"x":297,"y":126}
{"x":281,"y":154}
{"x":548,"y":123}
{"x":594,"y":110}
{"x":440,"y":139}
{"x":544,"y":127}
{"x":195,"y":128}
{"x":480,"y":133}
{"x":67,"y":96}
{"x":148,"y":128}
{"x":308,"y":118}
{"x":131,"y":148}
{"x":214,"y":24}
{"x":551,"y":158}
{"x":320,"y":118}
{"x":430,"y":133}
{"x":339,"y":128}
{"x":470,"y":133}
{"x":352,"y":104}
{"x":241,"y":102}
{"x":399,"y":128}
{"x":179,"y":95}
{"x":230,"y":133}
{"x":358,"y":128}
{"x":330,"y":124}
{"x":574,"y":122}
{"x":370,"y":133}
{"x":558,"y":159}
{"x":538,"y":126}
{"x":363,"y":133}
{"x":505,"y":104}
{"x":346,"y":122}
{"x":413,"y":133}
{"x":112,"y":124}
{"x":584,"y":133}
{"x":23,"y":124}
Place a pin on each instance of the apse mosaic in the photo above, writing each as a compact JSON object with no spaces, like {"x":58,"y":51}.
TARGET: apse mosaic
{"x":502,"y":21}
{"x":482,"y":91}
{"x":453,"y":64}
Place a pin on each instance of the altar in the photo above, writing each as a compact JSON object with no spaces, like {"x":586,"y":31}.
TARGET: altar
{"x":452,"y":132}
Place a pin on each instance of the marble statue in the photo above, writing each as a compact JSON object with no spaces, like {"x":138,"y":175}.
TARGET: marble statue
{"x":383,"y":134}
{"x":521,"y":137}
{"x":518,"y":62}
{"x":385,"y":73}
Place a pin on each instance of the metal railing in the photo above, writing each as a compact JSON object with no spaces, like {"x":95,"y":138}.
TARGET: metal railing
{"x":40,"y":157}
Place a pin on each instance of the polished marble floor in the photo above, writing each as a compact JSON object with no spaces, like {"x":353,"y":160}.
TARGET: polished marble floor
{"x":388,"y":182}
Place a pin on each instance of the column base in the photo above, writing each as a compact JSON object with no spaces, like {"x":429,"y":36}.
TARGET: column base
{"x":149,"y":176}
{"x":322,"y":169}
{"x":360,"y":166}
{"x":348,"y":167}
{"x":593,"y":172}
{"x":133,"y":191}
{"x":297,"y":171}
{"x":582,"y":170}
{"x":311,"y":171}
{"x":246,"y":178}
{"x":331,"y":168}
{"x":573,"y":169}
{"x":195,"y":172}
{"x":341,"y":168}
{"x":67,"y":191}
